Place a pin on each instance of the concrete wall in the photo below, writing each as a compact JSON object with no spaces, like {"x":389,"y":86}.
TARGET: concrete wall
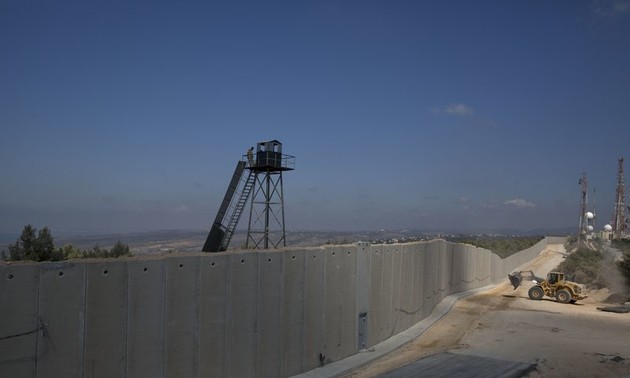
{"x":266,"y":313}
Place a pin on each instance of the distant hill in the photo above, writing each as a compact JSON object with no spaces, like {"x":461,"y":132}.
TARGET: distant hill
{"x":165,"y":241}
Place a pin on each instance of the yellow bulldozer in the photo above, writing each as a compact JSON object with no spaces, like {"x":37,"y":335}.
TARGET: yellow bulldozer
{"x":555,"y":286}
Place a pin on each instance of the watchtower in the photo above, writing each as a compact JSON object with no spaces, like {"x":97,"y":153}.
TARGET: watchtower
{"x":266,"y":217}
{"x":260,"y":172}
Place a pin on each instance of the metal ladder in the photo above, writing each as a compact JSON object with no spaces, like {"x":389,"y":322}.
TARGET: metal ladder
{"x":237,"y":209}
{"x":220,"y":233}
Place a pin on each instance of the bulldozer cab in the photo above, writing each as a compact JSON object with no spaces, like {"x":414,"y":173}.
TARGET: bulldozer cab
{"x":554,"y":277}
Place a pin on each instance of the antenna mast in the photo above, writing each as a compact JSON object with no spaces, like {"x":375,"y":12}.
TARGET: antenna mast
{"x":594,"y":211}
{"x":583,"y":182}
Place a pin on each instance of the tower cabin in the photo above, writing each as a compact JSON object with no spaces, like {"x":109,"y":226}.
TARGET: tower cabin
{"x":269,"y":158}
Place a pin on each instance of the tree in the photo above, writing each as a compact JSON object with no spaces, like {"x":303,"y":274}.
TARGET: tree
{"x":31,"y":247}
{"x":23,"y":246}
{"x":42,"y":248}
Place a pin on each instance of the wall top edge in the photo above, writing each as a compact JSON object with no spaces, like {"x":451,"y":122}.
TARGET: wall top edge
{"x":167,"y":256}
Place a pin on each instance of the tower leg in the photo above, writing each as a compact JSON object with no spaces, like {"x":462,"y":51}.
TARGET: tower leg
{"x":266,"y":218}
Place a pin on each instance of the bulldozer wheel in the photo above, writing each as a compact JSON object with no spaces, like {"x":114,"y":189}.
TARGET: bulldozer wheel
{"x":535,"y":293}
{"x":563,"y":296}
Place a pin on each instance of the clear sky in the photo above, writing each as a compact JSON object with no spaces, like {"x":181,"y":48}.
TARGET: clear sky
{"x":121,"y":116}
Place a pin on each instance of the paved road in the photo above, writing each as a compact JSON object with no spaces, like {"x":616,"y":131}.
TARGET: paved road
{"x":449,"y":365}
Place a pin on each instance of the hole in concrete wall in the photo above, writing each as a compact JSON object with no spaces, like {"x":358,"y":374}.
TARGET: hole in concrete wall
{"x":333,"y":253}
{"x":105,"y":272}
{"x":10,"y":276}
{"x":145,"y":269}
{"x":181,"y":266}
{"x":349,"y":252}
{"x":242,"y":261}
{"x":212,"y":264}
{"x":269,"y":259}
{"x":314,"y":257}
{"x":60,"y":274}
{"x":293,"y":257}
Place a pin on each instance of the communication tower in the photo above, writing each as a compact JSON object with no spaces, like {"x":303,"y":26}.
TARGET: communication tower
{"x":585,"y":215}
{"x":619,"y":222}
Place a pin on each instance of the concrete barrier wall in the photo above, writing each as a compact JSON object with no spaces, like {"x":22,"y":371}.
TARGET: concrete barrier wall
{"x":214,"y":274}
{"x":19,"y":325}
{"x":106,"y":318}
{"x":266,"y":313}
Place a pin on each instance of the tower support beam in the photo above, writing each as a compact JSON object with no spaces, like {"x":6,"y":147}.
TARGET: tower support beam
{"x":619,"y":222}
{"x":266,"y":217}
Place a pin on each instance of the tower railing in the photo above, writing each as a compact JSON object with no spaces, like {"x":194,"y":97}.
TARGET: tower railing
{"x":269,"y":160}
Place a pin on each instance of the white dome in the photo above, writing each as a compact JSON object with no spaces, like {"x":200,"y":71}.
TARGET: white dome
{"x":589,"y":215}
{"x":590,"y":228}
{"x":607,"y":227}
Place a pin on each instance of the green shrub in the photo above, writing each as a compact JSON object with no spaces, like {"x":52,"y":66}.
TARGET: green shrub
{"x":583,"y":266}
{"x":624,"y":265}
{"x":503,"y":246}
{"x":119,"y":250}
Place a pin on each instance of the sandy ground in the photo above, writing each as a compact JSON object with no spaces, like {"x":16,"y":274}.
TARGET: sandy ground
{"x":563,"y":340}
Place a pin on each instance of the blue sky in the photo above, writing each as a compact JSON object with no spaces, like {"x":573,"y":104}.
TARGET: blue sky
{"x":120,"y":116}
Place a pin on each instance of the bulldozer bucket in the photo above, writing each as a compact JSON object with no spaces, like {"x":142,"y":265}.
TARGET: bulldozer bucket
{"x":515,"y":280}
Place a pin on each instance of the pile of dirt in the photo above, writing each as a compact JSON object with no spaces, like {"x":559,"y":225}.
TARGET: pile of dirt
{"x":607,"y":296}
{"x":617,"y":298}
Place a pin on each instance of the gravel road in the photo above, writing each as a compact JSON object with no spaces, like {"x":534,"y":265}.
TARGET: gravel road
{"x":503,"y":326}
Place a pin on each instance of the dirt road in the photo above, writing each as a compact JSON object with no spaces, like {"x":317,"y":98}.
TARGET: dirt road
{"x":561,"y":340}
